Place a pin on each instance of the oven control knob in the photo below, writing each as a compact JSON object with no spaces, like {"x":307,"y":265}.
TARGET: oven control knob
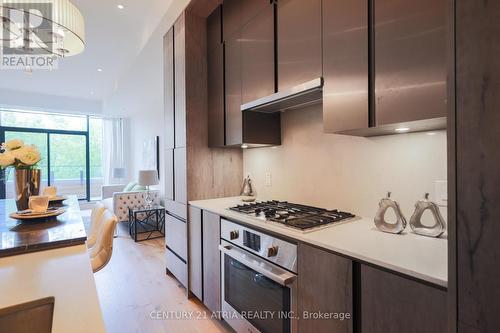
{"x":272,"y":251}
{"x":234,"y":234}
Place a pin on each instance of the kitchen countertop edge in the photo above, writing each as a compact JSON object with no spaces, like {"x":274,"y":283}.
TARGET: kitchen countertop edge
{"x":216,"y":206}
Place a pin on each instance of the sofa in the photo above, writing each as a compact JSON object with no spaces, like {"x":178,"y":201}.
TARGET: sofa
{"x":120,"y":198}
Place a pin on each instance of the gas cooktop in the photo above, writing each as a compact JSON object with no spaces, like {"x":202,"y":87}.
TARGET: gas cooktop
{"x":292,"y":215}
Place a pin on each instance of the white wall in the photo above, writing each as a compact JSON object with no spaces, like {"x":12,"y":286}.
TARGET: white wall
{"x":351,"y":173}
{"x":138,"y":95}
{"x":16,"y":99}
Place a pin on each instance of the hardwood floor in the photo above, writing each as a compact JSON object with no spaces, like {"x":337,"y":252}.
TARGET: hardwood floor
{"x":134,"y":286}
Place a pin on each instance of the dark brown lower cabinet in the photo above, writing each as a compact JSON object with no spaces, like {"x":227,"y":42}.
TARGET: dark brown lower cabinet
{"x":324,"y":288}
{"x":391,"y":303}
{"x":211,"y":261}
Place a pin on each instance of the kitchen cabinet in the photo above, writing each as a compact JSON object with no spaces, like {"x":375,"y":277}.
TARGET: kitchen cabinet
{"x":391,"y":303}
{"x":325,"y":285}
{"x":195,"y":252}
{"x":234,"y":126}
{"x":257,"y":56}
{"x":168,"y":65}
{"x":384,"y":67}
{"x":169,"y":174}
{"x":298,"y":42}
{"x":211,"y":261}
{"x":215,"y":72}
{"x":180,"y":180}
{"x":176,"y":237}
{"x":204,"y":257}
{"x":176,"y":266}
{"x":187,"y":150}
{"x":410,"y":41}
{"x":345,"y":65}
{"x":180,"y":82}
{"x":232,"y":69}
{"x":237,"y":13}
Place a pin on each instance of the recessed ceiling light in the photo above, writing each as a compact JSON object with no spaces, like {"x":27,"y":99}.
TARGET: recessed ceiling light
{"x":244,"y":146}
{"x":120,"y":6}
{"x":431,"y":133}
{"x":99,"y":69}
{"x":402,"y":129}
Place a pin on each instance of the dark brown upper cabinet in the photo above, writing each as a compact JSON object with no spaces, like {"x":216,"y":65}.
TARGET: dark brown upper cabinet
{"x":237,"y":13}
{"x":385,"y":66}
{"x":215,"y":73}
{"x":345,"y":65}
{"x":298,"y":42}
{"x":257,"y":56}
{"x":410,"y":41}
{"x":243,"y":61}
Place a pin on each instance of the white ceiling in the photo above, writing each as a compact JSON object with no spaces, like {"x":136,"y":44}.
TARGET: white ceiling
{"x":114,"y":38}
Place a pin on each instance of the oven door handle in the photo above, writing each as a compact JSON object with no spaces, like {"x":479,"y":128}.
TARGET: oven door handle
{"x":284,"y":277}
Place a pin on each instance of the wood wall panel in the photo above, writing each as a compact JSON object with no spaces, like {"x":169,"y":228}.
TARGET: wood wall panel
{"x":211,"y":173}
{"x":478,"y":161}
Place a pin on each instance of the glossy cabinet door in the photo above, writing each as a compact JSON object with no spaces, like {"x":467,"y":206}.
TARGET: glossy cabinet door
{"x":298,"y":42}
{"x":324,"y":285}
{"x":180,"y":81}
{"x":410,"y":60}
{"x":345,"y":65}
{"x":257,"y":56}
{"x":237,"y":13}
{"x":211,"y":261}
{"x":390,"y":303}
{"x":232,"y":72}
{"x":168,"y":66}
{"x":215,"y":73}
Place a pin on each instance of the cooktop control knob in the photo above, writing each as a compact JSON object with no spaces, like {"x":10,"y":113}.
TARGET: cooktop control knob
{"x":234,"y":234}
{"x":272,"y":251}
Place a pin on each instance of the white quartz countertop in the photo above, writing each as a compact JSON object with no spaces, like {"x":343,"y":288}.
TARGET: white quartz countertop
{"x":421,"y":257}
{"x":63,"y":273}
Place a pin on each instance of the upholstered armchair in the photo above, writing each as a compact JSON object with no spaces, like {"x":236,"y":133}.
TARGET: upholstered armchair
{"x":119,"y":202}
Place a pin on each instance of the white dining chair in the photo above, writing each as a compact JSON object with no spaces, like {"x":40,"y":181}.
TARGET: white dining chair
{"x":95,"y":219}
{"x":101,"y":252}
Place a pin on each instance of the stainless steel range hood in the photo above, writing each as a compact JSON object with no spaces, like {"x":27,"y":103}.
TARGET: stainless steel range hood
{"x":304,"y":94}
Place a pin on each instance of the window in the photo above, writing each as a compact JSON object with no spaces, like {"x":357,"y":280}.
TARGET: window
{"x":71,"y":149}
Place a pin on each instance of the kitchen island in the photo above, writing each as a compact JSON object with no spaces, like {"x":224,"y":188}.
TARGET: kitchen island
{"x":49,"y":259}
{"x":21,"y":237}
{"x":418,"y":257}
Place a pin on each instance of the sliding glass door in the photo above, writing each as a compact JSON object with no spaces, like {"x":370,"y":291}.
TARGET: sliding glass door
{"x":68,"y":164}
{"x":64,"y":161}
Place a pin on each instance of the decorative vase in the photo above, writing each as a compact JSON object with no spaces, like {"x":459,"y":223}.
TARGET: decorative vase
{"x":26,"y":183}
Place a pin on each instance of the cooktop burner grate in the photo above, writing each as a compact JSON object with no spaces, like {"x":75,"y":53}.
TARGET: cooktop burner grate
{"x":293,"y":215}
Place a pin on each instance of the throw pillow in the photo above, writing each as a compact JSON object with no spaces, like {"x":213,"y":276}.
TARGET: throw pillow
{"x":129,"y":187}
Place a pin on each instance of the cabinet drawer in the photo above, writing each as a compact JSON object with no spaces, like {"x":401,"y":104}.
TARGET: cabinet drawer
{"x":177,"y":267}
{"x":176,"y":235}
{"x":176,"y":208}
